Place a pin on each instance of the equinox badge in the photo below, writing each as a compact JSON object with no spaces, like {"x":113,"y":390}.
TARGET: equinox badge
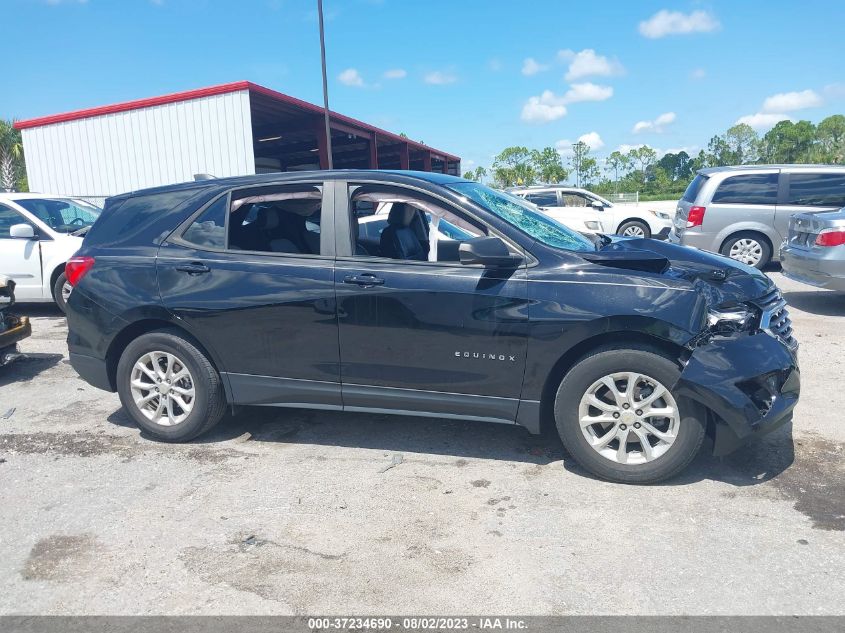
{"x":483,"y":356}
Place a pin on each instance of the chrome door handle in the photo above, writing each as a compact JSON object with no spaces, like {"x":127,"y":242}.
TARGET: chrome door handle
{"x":364,"y":280}
{"x":194,"y":268}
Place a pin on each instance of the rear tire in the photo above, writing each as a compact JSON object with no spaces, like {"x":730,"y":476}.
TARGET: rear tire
{"x":634,"y":228}
{"x":673,"y":438}
{"x":169,"y":388}
{"x":749,"y":248}
{"x":61,"y":292}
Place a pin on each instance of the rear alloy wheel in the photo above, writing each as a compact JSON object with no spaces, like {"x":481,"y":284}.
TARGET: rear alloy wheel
{"x":168,"y":387}
{"x":634,"y":228}
{"x":61,"y":292}
{"x":617,"y":416}
{"x":748,"y":248}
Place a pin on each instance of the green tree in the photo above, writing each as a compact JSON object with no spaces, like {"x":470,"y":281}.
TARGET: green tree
{"x":640,"y":159}
{"x":617,"y":161}
{"x":12,"y":167}
{"x":548,"y":165}
{"x":830,"y":135}
{"x":480,"y":173}
{"x":789,"y":142}
{"x":512,"y":166}
{"x":677,"y":166}
{"x":469,"y":175}
{"x":743,"y":143}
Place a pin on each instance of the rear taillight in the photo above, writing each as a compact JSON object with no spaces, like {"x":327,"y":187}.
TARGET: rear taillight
{"x":695,"y":217}
{"x":77,"y":267}
{"x":831,"y":237}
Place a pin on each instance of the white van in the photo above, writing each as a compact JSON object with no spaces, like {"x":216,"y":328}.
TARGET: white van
{"x":38,"y":234}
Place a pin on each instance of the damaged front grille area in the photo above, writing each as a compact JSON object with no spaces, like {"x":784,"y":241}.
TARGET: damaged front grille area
{"x":774,"y":318}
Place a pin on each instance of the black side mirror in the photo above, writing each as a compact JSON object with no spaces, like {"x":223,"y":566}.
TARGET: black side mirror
{"x":490,"y":252}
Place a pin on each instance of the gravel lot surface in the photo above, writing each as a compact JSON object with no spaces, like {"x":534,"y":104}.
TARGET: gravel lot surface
{"x":287,"y":511}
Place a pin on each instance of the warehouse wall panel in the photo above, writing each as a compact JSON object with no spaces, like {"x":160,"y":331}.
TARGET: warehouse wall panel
{"x":146,"y":147}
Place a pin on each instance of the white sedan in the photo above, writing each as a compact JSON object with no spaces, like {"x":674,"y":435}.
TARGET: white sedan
{"x":38,"y":234}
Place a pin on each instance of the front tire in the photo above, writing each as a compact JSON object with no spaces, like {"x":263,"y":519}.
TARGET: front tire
{"x":61,"y":292}
{"x":168,"y":387}
{"x":634,"y":228}
{"x":617,"y":417}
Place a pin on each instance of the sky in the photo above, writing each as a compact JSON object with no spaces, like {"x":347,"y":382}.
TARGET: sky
{"x":469,"y":77}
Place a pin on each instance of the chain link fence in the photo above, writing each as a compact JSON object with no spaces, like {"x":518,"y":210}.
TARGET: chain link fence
{"x":617,"y":198}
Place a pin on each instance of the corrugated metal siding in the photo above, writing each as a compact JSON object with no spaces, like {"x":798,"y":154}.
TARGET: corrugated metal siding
{"x":159,"y":145}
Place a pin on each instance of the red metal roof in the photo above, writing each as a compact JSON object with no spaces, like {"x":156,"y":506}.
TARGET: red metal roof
{"x":216,"y":90}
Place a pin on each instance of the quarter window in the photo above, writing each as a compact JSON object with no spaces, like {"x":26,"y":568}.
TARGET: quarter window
{"x":817,"y":190}
{"x":748,"y":189}
{"x":209,"y":229}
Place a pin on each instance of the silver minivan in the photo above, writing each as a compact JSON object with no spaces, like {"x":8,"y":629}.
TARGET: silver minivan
{"x":743,"y":212}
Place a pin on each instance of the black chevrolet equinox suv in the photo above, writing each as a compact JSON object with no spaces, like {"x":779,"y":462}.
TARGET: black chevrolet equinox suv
{"x":424,"y":294}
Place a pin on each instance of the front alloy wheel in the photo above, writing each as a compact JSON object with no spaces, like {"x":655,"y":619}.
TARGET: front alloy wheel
{"x":618,"y":418}
{"x":629,"y":418}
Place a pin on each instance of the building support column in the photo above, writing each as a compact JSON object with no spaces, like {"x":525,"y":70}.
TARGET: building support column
{"x":404,"y":157}
{"x":322,"y":143}
{"x":374,"y":151}
{"x":427,"y":161}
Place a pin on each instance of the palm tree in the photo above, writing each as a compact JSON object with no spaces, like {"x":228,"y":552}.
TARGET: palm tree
{"x":11,"y":155}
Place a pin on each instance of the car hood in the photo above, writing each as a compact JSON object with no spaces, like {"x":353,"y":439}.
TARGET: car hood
{"x":722,"y":280}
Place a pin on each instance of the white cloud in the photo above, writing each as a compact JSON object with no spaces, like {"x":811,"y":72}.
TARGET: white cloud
{"x":440,"y":78}
{"x":665,"y":23}
{"x":586,"y":63}
{"x":789,"y":101}
{"x":698,"y":73}
{"x":544,"y":108}
{"x":531,"y":66}
{"x":762,"y":120}
{"x":587,"y":92}
{"x":592,"y":139}
{"x":495,"y":64}
{"x":395,"y":73}
{"x":625,"y":148}
{"x":657,"y":125}
{"x":351,"y":77}
{"x":564,"y":146}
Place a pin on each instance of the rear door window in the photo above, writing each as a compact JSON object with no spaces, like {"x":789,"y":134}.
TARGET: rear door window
{"x":816,"y":190}
{"x":545,"y":199}
{"x":748,"y":189}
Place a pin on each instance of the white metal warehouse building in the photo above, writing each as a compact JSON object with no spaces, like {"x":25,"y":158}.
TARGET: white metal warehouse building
{"x":232,"y":129}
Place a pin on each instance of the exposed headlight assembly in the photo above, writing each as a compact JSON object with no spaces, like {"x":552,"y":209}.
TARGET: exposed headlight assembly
{"x":733,"y":319}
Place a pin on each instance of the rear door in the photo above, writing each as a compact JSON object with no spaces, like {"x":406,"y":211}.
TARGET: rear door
{"x":805,"y":190}
{"x":743,"y":202}
{"x":428,"y":337}
{"x":251,"y":276}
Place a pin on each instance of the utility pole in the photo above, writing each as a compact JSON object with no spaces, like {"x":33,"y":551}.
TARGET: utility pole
{"x":325,"y":83}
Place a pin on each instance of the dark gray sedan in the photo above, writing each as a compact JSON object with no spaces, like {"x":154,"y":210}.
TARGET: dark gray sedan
{"x":814,"y":252}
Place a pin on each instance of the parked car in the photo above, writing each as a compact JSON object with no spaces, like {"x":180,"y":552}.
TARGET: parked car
{"x":13,"y":329}
{"x":633,"y":349}
{"x":38,"y":233}
{"x":814,"y":252}
{"x":627,"y":220}
{"x":584,"y":219}
{"x":743,"y":212}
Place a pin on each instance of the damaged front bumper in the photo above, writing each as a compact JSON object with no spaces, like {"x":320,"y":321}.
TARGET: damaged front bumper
{"x":12,"y":330}
{"x":751,"y":384}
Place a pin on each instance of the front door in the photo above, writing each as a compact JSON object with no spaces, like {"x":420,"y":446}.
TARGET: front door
{"x":428,"y":337}
{"x":252,"y":278}
{"x":20,"y":259}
